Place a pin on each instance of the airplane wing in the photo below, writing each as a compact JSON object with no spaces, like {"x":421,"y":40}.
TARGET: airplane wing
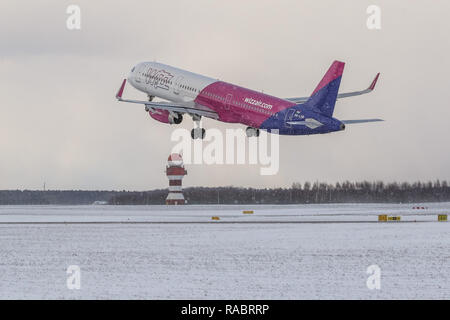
{"x":342,"y":95}
{"x":188,"y":107}
{"x":360,"y":121}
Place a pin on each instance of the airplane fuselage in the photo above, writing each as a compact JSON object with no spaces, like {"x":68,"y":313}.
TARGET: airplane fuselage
{"x":231,"y":103}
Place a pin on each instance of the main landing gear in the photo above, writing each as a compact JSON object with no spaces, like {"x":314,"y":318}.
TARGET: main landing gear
{"x":252,"y":132}
{"x":197,"y":132}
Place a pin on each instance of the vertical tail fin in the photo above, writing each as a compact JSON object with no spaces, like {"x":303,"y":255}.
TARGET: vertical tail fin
{"x":324,"y":96}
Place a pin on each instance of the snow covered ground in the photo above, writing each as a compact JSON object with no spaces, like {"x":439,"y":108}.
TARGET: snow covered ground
{"x":279,"y":252}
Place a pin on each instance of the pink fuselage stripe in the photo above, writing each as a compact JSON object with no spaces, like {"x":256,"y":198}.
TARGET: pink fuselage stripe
{"x":240,"y":105}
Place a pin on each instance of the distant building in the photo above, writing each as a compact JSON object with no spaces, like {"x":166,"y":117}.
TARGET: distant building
{"x":175,"y":172}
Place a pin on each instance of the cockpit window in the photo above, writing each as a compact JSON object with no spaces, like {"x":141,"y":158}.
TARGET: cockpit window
{"x":132,"y":70}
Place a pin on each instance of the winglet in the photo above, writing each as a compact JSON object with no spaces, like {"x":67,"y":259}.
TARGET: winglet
{"x":119,"y":93}
{"x":374,"y":82}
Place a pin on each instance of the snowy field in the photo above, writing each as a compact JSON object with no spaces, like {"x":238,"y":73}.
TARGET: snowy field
{"x":279,"y":252}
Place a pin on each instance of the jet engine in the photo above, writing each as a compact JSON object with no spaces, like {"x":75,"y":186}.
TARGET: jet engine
{"x":175,"y":118}
{"x":165,"y":116}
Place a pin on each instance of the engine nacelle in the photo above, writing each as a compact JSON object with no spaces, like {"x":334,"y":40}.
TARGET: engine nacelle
{"x":165,"y":116}
{"x":175,"y":118}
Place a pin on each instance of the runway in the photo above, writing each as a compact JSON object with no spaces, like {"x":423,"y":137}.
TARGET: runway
{"x":278,"y":252}
{"x":288,"y":214}
{"x":199,"y":222}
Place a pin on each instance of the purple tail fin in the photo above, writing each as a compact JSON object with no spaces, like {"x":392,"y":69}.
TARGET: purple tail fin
{"x":324,"y":96}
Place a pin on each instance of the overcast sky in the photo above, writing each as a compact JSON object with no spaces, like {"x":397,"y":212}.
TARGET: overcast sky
{"x":60,"y":122}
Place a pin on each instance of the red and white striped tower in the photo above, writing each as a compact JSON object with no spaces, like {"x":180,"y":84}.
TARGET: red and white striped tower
{"x":175,"y":172}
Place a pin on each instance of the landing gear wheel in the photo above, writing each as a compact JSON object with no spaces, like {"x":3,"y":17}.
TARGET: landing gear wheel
{"x":198,"y":133}
{"x":178,"y":119}
{"x":252,"y":132}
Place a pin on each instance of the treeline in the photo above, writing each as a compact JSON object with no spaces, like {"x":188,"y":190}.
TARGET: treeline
{"x":63,"y":197}
{"x":365,"y":192}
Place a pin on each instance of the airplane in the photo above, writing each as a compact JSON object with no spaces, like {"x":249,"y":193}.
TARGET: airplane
{"x":200,"y":96}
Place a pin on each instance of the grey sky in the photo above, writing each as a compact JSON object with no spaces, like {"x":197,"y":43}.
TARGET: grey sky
{"x":60,"y":123}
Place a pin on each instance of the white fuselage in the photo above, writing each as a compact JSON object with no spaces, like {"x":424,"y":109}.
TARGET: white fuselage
{"x":166,"y":82}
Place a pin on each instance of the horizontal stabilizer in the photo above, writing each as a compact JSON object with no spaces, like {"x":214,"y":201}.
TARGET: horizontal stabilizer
{"x":360,"y":121}
{"x":309,"y":122}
